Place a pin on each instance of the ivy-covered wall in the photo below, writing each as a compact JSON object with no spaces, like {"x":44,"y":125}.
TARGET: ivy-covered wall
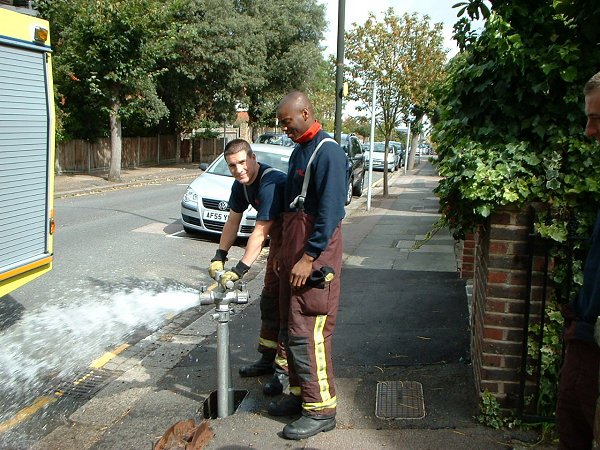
{"x":509,"y":128}
{"x":500,"y":291}
{"x":509,"y":131}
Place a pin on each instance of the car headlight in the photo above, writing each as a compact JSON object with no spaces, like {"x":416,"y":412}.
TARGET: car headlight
{"x":190,"y":196}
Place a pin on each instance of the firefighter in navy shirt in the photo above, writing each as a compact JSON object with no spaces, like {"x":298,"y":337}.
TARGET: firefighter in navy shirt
{"x":577,"y":413}
{"x":262,"y":187}
{"x":315,"y":194}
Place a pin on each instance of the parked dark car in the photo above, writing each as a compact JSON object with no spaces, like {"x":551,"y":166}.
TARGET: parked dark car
{"x":356,"y":165}
{"x":275,"y":139}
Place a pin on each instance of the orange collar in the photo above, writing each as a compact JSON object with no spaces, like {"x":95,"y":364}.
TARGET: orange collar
{"x":310,"y":133}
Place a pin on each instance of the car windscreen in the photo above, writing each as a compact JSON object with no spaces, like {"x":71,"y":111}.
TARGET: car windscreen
{"x":379,"y":147}
{"x":276,"y":160}
{"x":219,"y":167}
{"x":277,"y":139}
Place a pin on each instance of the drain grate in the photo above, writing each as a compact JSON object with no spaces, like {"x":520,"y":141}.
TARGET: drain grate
{"x":85,"y":386}
{"x":399,"y":400}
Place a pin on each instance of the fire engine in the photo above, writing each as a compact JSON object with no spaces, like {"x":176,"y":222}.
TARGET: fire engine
{"x":26,"y":148}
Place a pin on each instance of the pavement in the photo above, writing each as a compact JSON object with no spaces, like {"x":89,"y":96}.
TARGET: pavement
{"x":401,"y":346}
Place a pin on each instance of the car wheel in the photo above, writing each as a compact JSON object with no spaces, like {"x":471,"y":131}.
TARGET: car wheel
{"x":358,"y":188}
{"x":349,"y":191}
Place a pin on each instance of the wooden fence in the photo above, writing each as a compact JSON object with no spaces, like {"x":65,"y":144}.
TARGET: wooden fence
{"x":80,"y":156}
{"x":206,"y":150}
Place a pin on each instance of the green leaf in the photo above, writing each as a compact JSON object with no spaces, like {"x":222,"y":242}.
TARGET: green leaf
{"x":569,"y":74}
{"x":484,"y":210}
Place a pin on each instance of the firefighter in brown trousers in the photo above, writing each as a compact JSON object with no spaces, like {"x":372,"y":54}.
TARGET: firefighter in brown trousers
{"x":261,"y":186}
{"x":577,"y":413}
{"x":309,"y":266}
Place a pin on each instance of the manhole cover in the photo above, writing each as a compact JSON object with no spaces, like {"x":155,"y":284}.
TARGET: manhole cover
{"x":86,"y":385}
{"x":399,"y":400}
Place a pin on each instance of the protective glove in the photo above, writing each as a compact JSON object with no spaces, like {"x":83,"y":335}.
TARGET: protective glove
{"x":234,"y":274}
{"x":217,"y":263}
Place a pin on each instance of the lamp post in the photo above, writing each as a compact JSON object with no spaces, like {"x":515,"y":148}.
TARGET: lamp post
{"x":406,"y":152}
{"x":339,"y":71}
{"x":371,"y":145}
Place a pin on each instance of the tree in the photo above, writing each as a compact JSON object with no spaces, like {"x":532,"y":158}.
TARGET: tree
{"x":286,"y":51}
{"x":210,"y":63}
{"x":510,"y":120}
{"x":320,"y":88}
{"x":360,"y":125}
{"x":402,"y":57}
{"x":150,"y":64}
{"x":423,"y":71}
{"x":109,"y":51}
{"x":509,"y":130}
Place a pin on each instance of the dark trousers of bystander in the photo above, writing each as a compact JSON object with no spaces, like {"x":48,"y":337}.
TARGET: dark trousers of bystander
{"x":577,"y":395}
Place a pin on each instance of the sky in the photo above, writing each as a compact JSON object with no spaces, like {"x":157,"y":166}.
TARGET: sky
{"x":358,"y":11}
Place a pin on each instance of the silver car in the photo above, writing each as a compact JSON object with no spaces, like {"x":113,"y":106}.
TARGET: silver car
{"x":204,"y":206}
{"x":379,"y":155}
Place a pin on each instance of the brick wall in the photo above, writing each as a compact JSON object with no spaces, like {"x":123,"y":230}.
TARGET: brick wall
{"x":500,"y":258}
{"x":468,"y":256}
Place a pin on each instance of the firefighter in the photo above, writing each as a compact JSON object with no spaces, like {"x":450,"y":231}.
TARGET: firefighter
{"x":261,"y":186}
{"x":315,"y":193}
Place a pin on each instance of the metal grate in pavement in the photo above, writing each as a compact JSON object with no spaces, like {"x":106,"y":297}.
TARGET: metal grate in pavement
{"x":399,"y":400}
{"x":86,"y":385}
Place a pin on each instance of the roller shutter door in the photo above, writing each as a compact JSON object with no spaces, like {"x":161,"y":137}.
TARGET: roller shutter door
{"x":24,"y":150}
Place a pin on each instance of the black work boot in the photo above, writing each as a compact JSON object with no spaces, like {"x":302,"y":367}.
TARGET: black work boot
{"x":277,"y":383}
{"x":307,"y":426}
{"x":288,"y":405}
{"x":263,"y":366}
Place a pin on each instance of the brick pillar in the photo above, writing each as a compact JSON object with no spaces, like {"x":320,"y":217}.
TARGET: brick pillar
{"x":499,"y":295}
{"x":468,"y":257}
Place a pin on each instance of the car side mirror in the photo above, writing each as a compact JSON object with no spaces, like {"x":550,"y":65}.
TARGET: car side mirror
{"x":203,"y":166}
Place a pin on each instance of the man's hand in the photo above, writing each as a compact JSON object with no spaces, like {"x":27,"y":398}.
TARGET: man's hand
{"x":217,"y":263}
{"x":215,"y":266}
{"x":228,"y":276}
{"x":301,"y":271}
{"x":234,"y":274}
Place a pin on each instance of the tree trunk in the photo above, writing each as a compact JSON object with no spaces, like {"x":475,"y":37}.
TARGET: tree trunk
{"x":115,"y":143}
{"x":177,"y":146}
{"x":385,"y":168}
{"x":414,"y":142}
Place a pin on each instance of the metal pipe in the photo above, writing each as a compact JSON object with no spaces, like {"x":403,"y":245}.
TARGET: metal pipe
{"x":526,"y":312}
{"x":224,"y":391}
{"x":221,"y":299}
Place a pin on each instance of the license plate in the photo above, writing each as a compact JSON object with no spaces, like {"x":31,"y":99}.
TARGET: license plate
{"x":218,"y":216}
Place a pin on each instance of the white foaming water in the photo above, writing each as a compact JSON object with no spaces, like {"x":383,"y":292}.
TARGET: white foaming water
{"x":60,"y":340}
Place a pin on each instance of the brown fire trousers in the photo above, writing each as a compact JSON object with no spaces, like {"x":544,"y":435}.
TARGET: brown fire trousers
{"x":310,"y":314}
{"x":269,"y":339}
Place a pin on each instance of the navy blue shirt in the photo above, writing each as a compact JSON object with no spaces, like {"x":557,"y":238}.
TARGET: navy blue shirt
{"x":326,"y":194}
{"x":587,"y":305}
{"x":265,"y":194}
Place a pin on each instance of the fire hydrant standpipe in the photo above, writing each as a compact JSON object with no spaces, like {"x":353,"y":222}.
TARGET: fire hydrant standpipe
{"x":222,"y":298}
